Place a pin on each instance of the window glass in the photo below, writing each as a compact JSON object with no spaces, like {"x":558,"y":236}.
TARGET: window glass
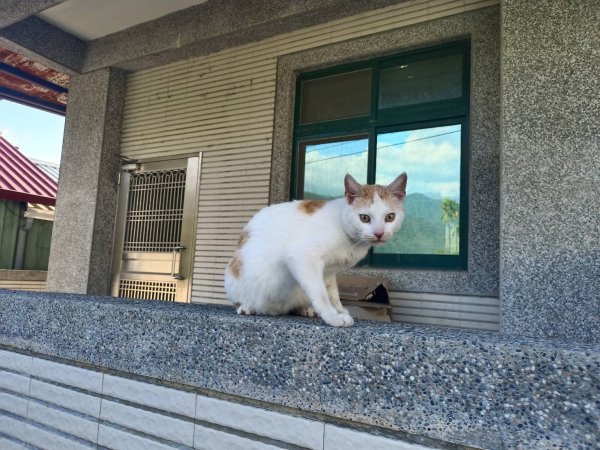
{"x":431,"y":158}
{"x":421,"y":82}
{"x":336,"y":97}
{"x":416,"y":124}
{"x":327,"y":162}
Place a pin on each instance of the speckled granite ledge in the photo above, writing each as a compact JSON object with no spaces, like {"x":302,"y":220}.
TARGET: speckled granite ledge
{"x":470,"y":388}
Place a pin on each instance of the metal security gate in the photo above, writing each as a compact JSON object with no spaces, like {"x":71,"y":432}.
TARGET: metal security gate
{"x":155,"y":230}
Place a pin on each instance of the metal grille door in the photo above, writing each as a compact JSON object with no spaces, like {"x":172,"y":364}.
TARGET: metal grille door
{"x":148,"y":290}
{"x":155,"y":212}
{"x":156,"y":219}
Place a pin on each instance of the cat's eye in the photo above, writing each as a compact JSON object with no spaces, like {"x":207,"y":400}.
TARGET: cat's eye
{"x":390,"y":217}
{"x":364,"y":218}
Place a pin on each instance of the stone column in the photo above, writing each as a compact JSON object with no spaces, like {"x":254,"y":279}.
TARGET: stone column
{"x":550,"y":196}
{"x":82,"y":238}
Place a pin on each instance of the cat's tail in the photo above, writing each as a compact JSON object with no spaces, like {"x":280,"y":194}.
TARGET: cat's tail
{"x":232,"y":288}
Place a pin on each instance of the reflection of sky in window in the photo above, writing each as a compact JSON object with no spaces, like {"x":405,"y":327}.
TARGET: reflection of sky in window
{"x":430,"y":157}
{"x":327,"y":164}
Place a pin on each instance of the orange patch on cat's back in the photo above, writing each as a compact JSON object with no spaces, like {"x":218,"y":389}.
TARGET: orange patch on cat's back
{"x":244,"y":236}
{"x":310,"y":206}
{"x":236,"y":266}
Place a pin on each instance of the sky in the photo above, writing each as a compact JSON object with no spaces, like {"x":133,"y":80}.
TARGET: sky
{"x":431,"y":158}
{"x":38,"y":134}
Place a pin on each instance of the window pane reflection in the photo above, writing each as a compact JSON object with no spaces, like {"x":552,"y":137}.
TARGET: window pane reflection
{"x":421,"y":82}
{"x":431,"y":158}
{"x":336,"y":97}
{"x":327,"y":162}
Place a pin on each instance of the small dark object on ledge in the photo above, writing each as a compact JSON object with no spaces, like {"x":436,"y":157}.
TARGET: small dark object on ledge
{"x":365,"y":297}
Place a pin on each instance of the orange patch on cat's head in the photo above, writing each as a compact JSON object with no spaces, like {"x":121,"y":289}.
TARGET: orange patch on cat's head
{"x":310,"y":206}
{"x":364,"y":194}
{"x":236,"y":266}
{"x":369,"y":191}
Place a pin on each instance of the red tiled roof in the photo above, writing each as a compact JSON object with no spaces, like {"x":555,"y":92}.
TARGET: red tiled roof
{"x":21,"y":180}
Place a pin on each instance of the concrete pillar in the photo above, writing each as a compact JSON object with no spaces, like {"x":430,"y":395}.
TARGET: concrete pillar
{"x":550,"y":195}
{"x":82,"y":238}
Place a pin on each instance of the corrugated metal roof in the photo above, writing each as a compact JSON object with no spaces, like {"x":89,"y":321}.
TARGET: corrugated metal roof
{"x":21,"y":180}
{"x":51,"y":169}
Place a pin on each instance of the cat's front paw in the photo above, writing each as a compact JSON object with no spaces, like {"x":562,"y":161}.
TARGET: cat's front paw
{"x":338,"y":320}
{"x":348,"y":320}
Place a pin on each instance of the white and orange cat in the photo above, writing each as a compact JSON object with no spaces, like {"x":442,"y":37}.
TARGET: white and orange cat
{"x":289,"y":254}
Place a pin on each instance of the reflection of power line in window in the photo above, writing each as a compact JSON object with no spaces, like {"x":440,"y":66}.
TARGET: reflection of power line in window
{"x":334,"y":157}
{"x":378,"y":148}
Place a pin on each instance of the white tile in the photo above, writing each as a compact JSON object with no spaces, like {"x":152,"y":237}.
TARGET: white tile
{"x":66,"y":374}
{"x":120,"y":440}
{"x":63,"y":421}
{"x":167,"y":399}
{"x":83,"y":403}
{"x":13,"y":404}
{"x":283,"y":427}
{"x":51,"y":441}
{"x":154,"y":424}
{"x":13,"y":427}
{"x":337,"y":438}
{"x":15,"y":361}
{"x":14,"y":382}
{"x":209,"y":439}
{"x":5,"y":444}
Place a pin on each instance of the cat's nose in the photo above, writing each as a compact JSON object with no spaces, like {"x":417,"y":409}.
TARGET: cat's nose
{"x":378,"y":235}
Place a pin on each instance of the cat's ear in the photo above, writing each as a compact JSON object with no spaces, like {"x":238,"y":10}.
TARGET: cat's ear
{"x":353,"y":189}
{"x":398,"y":187}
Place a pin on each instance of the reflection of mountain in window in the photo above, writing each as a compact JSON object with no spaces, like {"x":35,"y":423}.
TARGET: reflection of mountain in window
{"x":431,"y":157}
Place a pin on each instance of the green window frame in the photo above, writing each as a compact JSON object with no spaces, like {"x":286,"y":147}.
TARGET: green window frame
{"x":418,"y":116}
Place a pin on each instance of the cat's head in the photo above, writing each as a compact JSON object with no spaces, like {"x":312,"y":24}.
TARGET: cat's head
{"x":373,"y":213}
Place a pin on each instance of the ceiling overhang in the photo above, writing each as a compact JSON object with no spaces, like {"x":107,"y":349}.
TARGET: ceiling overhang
{"x":136,"y":35}
{"x":91,"y":19}
{"x":28,"y":82}
{"x":13,"y":11}
{"x":58,"y":31}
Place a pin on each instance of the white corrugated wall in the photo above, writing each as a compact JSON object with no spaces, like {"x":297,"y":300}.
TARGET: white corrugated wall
{"x":223,"y":105}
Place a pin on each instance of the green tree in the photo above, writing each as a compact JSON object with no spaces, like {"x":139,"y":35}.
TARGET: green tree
{"x":450,"y":217}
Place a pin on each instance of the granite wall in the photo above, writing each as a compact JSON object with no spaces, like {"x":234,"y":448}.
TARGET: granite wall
{"x":424,"y":385}
{"x":550,"y":196}
{"x":81,"y":249}
{"x":58,"y":405}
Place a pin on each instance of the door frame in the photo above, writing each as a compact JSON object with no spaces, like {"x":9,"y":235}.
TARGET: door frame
{"x":186,"y":257}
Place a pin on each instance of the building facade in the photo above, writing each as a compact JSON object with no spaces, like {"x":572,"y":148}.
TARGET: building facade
{"x":262,"y":102}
